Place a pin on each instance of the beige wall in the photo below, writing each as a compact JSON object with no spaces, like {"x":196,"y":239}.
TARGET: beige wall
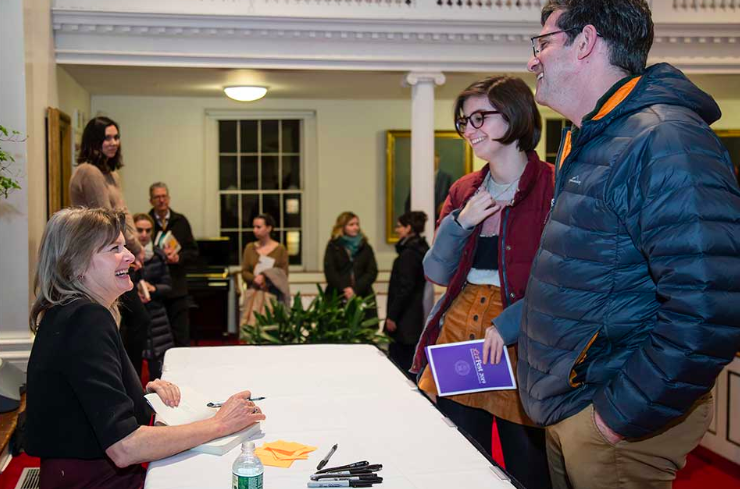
{"x":72,"y":97}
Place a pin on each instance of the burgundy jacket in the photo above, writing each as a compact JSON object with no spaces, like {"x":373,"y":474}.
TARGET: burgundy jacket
{"x":521,"y":227}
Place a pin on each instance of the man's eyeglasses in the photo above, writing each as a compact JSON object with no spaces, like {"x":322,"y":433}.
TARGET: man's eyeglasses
{"x":537,"y":40}
{"x":476,"y":120}
{"x":160,"y":197}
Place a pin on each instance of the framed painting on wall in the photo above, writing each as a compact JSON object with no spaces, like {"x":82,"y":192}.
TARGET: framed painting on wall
{"x":731,"y":139}
{"x":58,"y":159}
{"x":454,"y":159}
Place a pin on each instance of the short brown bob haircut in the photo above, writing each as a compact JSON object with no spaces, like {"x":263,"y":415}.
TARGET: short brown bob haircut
{"x":514,"y":100}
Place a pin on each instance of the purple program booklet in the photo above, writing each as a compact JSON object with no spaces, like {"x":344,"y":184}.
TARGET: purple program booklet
{"x":458,"y":369}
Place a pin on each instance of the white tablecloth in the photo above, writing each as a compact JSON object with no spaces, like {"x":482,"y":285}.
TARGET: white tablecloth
{"x":320,"y":395}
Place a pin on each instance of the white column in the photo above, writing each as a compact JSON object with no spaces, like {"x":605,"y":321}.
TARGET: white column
{"x":14,"y":210}
{"x":422,"y":142}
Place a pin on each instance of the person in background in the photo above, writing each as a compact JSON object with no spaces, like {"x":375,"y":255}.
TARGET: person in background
{"x":632,"y":307}
{"x":405,"y":309}
{"x":96,"y":183}
{"x":488,"y":233}
{"x":153,"y":284}
{"x":165,"y":219}
{"x":349,"y":261}
{"x":265,"y":246}
{"x":442,"y":184}
{"x":86,"y":413}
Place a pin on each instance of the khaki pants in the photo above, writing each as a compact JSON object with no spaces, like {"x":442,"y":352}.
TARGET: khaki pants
{"x":581,"y":458}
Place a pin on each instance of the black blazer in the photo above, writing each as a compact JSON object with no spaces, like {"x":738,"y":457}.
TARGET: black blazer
{"x":180,"y":228}
{"x":341,"y":271}
{"x":406,"y":290}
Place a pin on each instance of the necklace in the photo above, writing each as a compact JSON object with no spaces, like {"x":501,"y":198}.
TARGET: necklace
{"x":498,"y":189}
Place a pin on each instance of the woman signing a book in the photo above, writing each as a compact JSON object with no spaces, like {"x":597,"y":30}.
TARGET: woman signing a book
{"x":489,"y":230}
{"x":86,"y":414}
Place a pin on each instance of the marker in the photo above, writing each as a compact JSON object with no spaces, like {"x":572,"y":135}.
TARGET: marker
{"x":345,"y":473}
{"x":340,"y":484}
{"x":354,"y":465}
{"x":359,"y":477}
{"x":356,"y":470}
{"x":221,"y":403}
{"x":325,"y":460}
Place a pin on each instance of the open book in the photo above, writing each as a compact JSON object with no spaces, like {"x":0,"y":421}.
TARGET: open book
{"x":193,"y":408}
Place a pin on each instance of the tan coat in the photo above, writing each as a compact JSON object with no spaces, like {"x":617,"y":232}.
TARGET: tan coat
{"x":251,"y":257}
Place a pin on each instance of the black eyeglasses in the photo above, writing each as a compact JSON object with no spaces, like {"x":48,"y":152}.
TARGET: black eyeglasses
{"x":537,"y":45}
{"x":476,"y":120}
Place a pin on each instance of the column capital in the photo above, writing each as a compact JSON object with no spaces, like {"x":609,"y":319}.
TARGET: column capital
{"x":415,"y":77}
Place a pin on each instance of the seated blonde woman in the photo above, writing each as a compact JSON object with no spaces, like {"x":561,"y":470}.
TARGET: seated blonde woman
{"x":86,"y":413}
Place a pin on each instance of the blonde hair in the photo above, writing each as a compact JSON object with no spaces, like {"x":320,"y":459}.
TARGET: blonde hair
{"x":71,"y":238}
{"x":342,"y":219}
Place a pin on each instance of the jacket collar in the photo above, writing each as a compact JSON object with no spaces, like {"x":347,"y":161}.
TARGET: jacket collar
{"x":526,"y":182}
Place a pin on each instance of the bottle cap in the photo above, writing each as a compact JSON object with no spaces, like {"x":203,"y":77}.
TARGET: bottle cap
{"x":248,"y":445}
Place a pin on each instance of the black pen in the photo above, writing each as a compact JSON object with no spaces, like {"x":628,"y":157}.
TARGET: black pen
{"x":325,"y":460}
{"x":221,"y":403}
{"x":354,"y":465}
{"x":355,"y":477}
{"x":357,"y":470}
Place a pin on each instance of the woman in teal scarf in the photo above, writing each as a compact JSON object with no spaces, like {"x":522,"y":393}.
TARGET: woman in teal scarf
{"x":349,"y":261}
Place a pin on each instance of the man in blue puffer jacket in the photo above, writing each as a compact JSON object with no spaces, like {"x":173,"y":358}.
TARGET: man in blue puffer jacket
{"x":633,"y":303}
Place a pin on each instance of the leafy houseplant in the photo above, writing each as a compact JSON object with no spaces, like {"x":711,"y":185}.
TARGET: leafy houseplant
{"x":7,"y":184}
{"x":328,"y":319}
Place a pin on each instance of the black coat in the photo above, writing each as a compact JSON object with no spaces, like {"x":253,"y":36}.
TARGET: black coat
{"x":406,"y":290}
{"x":180,"y":228}
{"x":341,"y":271}
{"x":156,"y":273}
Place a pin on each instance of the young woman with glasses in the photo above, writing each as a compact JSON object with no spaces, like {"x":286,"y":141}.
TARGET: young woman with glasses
{"x":488,"y":233}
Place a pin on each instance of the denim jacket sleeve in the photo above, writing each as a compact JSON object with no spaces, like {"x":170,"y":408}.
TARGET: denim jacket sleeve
{"x":509,"y":322}
{"x":443,"y":258}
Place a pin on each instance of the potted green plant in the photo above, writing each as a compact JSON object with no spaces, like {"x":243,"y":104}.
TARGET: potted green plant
{"x":327,"y":319}
{"x":7,"y":182}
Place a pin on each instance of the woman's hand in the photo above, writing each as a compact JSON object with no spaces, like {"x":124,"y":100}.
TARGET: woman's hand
{"x":390,"y":325}
{"x":348,"y":293}
{"x":493,"y":346}
{"x":237,"y":413}
{"x":479,"y":207}
{"x":167,"y":391}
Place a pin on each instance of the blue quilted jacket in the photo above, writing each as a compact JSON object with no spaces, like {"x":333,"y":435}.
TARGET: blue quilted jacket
{"x":633,"y":303}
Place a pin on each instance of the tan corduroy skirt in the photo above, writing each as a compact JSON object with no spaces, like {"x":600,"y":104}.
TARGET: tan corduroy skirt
{"x":467,"y":319}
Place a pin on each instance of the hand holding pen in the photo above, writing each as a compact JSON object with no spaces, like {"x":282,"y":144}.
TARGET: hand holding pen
{"x":237,"y":413}
{"x":221,"y":403}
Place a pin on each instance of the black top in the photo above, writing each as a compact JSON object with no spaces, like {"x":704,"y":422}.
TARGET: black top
{"x":342,"y":271}
{"x":405,"y":303}
{"x":486,"y":253}
{"x":83,"y":394}
{"x":181,"y":230}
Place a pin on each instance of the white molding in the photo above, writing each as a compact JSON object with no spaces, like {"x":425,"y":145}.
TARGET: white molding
{"x":456,"y":42}
{"x":16,"y":351}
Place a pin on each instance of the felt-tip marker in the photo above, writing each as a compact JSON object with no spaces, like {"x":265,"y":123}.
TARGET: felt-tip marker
{"x":354,"y":465}
{"x":340,"y":484}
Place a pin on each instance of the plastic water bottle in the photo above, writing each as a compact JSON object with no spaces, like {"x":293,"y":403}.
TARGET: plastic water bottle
{"x":246,"y":473}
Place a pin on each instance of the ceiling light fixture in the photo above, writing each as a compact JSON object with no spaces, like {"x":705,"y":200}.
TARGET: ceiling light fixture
{"x":244,"y":93}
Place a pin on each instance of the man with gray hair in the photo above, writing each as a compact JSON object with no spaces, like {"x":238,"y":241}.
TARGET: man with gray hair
{"x":165,"y":219}
{"x":632,"y":308}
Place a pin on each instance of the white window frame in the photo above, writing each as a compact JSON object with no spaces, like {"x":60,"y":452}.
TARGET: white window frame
{"x":309,"y":214}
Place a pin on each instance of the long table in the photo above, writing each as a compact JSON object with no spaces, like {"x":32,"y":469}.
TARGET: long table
{"x":320,"y":395}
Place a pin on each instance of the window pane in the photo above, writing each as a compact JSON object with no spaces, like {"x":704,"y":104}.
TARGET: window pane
{"x":270,"y":136}
{"x":227,"y":173}
{"x":291,"y":172}
{"x":553,"y":128}
{"x":270,"y":173}
{"x":292,"y":210}
{"x":293,"y":245}
{"x":291,"y":136}
{"x":271,"y":205}
{"x":248,"y":136}
{"x":249,"y":172}
{"x":250,"y":209}
{"x":229,"y":211}
{"x":227,"y":136}
{"x":234,"y":255}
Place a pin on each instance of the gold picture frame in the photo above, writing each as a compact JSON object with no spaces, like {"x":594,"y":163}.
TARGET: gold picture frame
{"x":456,"y":159}
{"x":731,"y":139}
{"x":58,"y":159}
